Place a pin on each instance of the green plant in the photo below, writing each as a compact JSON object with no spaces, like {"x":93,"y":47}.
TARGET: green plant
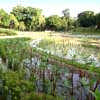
{"x":22,"y":26}
{"x":97,"y":94}
{"x":7,"y":32}
{"x":34,"y":96}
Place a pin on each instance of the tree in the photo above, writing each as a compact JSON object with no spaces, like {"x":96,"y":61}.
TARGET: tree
{"x":13,"y":22}
{"x":26,"y":14}
{"x":86,"y":19}
{"x":66,"y":18}
{"x":22,"y":26}
{"x":38,"y":23}
{"x":54,"y":23}
{"x":66,"y":13}
{"x":97,"y":16}
{"x":4,"y":18}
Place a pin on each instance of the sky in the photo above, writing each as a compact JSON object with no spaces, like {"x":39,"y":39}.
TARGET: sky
{"x":53,"y":7}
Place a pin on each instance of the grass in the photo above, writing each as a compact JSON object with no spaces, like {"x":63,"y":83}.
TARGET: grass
{"x":69,"y":63}
{"x":34,"y":96}
{"x":86,"y":31}
{"x":62,"y":45}
{"x":17,"y":49}
{"x":8,"y":32}
{"x":54,"y":43}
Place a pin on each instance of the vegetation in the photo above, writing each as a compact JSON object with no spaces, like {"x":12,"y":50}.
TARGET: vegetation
{"x":54,"y":66}
{"x":31,"y":19}
{"x":86,"y":19}
{"x":4,"y":18}
{"x":71,"y":50}
{"x":85,"y":31}
{"x":54,"y":23}
{"x":13,"y":75}
{"x":20,"y":74}
{"x":7,"y":32}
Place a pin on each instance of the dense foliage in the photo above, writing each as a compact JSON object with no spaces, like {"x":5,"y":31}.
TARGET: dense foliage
{"x":31,"y":19}
{"x":4,"y":18}
{"x":86,"y":19}
{"x":54,"y":22}
{"x":13,"y":72}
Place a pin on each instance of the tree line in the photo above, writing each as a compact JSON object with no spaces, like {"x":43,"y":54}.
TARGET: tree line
{"x":31,"y":19}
